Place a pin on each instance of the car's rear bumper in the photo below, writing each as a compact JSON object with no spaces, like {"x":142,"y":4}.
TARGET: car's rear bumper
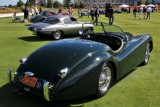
{"x":46,"y":90}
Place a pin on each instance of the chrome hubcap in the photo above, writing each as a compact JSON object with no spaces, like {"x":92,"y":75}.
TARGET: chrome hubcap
{"x":104,"y":79}
{"x":57,"y":35}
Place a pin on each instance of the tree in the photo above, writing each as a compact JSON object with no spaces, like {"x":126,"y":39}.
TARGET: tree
{"x":49,"y":3}
{"x":10,"y":6}
{"x":28,"y":3}
{"x":81,"y":5}
{"x":57,"y":4}
{"x":66,"y":3}
{"x":20,"y":3}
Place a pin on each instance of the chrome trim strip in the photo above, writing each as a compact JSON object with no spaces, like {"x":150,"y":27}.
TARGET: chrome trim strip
{"x":29,"y":73}
{"x":46,"y":90}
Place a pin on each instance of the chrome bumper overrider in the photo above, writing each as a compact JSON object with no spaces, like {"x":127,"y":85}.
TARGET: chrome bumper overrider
{"x":11,"y":75}
{"x":47,"y":89}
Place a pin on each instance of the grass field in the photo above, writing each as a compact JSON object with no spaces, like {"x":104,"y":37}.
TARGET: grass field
{"x":141,"y":88}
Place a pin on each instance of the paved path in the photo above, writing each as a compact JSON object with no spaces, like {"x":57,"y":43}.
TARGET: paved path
{"x":10,"y":14}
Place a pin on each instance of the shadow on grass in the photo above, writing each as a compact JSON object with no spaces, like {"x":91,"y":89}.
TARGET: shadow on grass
{"x":44,"y":38}
{"x":28,"y":24}
{"x":8,"y":99}
{"x":35,"y":38}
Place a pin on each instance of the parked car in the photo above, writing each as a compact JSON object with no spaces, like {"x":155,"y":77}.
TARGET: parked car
{"x":84,"y":13}
{"x":117,"y":11}
{"x":57,"y":26}
{"x":101,"y":11}
{"x":74,"y":68}
{"x":41,"y":17}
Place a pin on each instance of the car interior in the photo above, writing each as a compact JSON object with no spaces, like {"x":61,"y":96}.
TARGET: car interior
{"x":110,"y":39}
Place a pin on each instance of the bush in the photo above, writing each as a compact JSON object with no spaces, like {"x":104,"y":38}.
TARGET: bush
{"x":10,"y":10}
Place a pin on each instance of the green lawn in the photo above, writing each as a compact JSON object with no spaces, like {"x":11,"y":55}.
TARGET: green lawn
{"x":141,"y":88}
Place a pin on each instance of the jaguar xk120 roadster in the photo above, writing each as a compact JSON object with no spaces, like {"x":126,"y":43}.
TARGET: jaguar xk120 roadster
{"x":74,"y":68}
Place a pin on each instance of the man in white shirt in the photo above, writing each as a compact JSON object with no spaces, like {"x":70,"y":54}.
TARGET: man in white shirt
{"x":149,"y":10}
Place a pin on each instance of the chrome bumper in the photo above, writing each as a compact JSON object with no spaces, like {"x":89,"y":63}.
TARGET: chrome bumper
{"x":47,"y":86}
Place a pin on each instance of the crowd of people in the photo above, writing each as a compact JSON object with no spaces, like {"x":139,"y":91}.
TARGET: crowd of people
{"x":144,"y":12}
{"x":93,"y":12}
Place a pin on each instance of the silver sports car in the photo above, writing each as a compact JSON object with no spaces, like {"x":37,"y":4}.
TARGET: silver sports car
{"x":59,"y":25}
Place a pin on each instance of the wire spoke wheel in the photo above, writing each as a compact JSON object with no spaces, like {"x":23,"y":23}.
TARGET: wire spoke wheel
{"x":105,"y":80}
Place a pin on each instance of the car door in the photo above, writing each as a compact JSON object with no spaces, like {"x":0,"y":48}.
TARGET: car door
{"x":71,"y":26}
{"x":126,"y":59}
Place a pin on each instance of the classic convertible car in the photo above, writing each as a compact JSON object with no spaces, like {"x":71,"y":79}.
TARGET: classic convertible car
{"x":74,"y":68}
{"x":58,"y":26}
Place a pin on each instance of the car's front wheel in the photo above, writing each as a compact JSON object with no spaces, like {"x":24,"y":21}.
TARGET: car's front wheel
{"x":105,"y":80}
{"x":57,"y":35}
{"x":147,"y":55}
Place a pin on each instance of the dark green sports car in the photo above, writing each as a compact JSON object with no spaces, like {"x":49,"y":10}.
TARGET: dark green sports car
{"x":74,"y":68}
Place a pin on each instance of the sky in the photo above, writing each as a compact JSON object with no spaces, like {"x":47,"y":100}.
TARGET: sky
{"x":14,"y":2}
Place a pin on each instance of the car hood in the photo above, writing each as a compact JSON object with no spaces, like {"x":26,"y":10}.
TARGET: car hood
{"x":48,"y":60}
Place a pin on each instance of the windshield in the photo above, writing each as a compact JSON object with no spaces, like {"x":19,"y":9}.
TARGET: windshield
{"x":105,"y":27}
{"x":51,"y":20}
{"x":47,"y":13}
{"x":111,"y":30}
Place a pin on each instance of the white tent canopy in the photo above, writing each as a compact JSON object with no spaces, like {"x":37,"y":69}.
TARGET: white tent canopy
{"x":123,"y":6}
{"x":151,"y":5}
{"x":142,"y":5}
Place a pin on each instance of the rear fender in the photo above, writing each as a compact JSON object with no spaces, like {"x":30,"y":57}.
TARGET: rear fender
{"x":82,"y":77}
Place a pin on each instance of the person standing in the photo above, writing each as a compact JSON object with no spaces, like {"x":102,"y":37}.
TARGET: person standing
{"x":96,"y":15}
{"x":70,"y":11}
{"x":26,"y":12}
{"x":149,"y":10}
{"x":59,"y":10}
{"x":111,"y":15}
{"x":35,"y":10}
{"x":134,"y":12}
{"x":92,"y":13}
{"x":40,"y":9}
{"x":88,"y":11}
{"x":32,"y":11}
{"x":144,"y":11}
{"x":79,"y":12}
{"x":140,"y":13}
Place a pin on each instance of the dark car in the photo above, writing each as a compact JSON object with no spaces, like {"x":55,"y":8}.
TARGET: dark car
{"x":117,"y":11}
{"x":74,"y":68}
{"x":101,"y":11}
{"x":41,"y":17}
{"x":57,"y":26}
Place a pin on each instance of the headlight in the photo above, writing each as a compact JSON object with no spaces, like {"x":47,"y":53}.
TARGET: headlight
{"x":23,"y":60}
{"x":62,"y":73}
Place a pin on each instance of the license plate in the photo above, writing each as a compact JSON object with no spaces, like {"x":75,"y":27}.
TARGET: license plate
{"x":29,"y":81}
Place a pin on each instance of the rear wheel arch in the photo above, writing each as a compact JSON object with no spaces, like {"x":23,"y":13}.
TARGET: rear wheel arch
{"x":151,"y":45}
{"x":114,"y":70}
